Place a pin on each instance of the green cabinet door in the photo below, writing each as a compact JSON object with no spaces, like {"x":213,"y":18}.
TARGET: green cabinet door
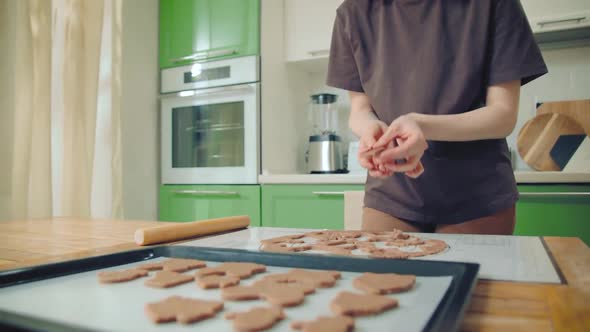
{"x":198,"y":202}
{"x":210,"y":29}
{"x":304,"y":206}
{"x":554,"y":210}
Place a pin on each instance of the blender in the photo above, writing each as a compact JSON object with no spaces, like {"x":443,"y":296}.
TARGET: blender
{"x":324,"y":153}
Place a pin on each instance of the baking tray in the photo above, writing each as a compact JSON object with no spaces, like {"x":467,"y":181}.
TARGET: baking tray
{"x":446,"y":317}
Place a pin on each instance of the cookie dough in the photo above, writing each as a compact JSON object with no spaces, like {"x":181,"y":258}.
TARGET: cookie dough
{"x":384,"y":283}
{"x":235,"y":269}
{"x":217,"y":281}
{"x":353,"y":304}
{"x":279,"y":294}
{"x":325,"y":324}
{"x":109,"y":277}
{"x":285,"y":247}
{"x":181,"y":309}
{"x":255,"y":319}
{"x":323,"y":279}
{"x":166,"y":279}
{"x":174,"y":265}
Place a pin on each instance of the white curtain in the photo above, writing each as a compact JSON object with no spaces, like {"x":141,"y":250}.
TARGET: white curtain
{"x":66,"y":155}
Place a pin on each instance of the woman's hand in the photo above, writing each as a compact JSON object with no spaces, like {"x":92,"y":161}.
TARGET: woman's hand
{"x":367,"y":154}
{"x":403,"y":140}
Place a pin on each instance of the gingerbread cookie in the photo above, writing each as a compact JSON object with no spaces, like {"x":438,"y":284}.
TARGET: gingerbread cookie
{"x":217,"y":281}
{"x":166,"y":279}
{"x":108,"y":277}
{"x":384,"y":283}
{"x":181,"y":309}
{"x":235,"y":269}
{"x":286,"y":239}
{"x":255,"y":319}
{"x":174,"y":265}
{"x":352,"y":304}
{"x":280,"y":294}
{"x":325,"y":324}
{"x":285,"y":247}
{"x":318,"y":278}
{"x":286,"y":280}
{"x":388,"y":253}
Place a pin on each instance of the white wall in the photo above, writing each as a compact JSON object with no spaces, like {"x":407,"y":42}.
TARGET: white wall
{"x":284,"y":98}
{"x":7,"y":62}
{"x":139,"y":109}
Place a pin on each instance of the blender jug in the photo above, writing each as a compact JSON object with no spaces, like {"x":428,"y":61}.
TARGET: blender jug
{"x":324,"y":153}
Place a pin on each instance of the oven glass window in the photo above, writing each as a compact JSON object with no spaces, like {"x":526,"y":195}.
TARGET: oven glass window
{"x":208,"y":135}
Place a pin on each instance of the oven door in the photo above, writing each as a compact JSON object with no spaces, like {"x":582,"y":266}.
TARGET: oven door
{"x":210,"y":136}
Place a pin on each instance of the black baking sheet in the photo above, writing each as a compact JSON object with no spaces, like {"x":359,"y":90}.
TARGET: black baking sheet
{"x":446,"y":317}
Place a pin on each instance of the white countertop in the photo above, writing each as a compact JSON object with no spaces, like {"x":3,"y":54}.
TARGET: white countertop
{"x":359,"y":178}
{"x":515,"y":258}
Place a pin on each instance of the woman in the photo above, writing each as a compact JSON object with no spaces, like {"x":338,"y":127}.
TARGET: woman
{"x":434,"y":88}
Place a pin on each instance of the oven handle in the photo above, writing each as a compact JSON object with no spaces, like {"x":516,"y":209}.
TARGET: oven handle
{"x":243,"y":88}
{"x":207,"y":193}
{"x":205,"y":55}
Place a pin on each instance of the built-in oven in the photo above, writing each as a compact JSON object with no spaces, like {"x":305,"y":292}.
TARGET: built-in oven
{"x":209,"y":122}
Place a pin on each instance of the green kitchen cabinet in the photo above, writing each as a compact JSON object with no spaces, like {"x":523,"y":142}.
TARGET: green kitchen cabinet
{"x":198,"y":202}
{"x":304,"y":206}
{"x":199,"y":30}
{"x":554,"y":210}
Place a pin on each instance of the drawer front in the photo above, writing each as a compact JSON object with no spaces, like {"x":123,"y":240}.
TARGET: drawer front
{"x":304,"y":206}
{"x":198,"y":202}
{"x":554,"y":210}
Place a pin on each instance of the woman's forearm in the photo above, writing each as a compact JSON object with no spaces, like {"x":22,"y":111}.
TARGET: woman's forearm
{"x":496,"y":120}
{"x":361,"y":113}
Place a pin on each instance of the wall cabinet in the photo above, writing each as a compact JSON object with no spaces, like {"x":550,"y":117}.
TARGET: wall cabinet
{"x":199,"y":30}
{"x":554,"y":210}
{"x":308,"y":28}
{"x":304,"y":206}
{"x":549,"y":15}
{"x":198,"y":202}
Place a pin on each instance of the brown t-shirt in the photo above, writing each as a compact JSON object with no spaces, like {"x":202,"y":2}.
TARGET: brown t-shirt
{"x":436,"y":57}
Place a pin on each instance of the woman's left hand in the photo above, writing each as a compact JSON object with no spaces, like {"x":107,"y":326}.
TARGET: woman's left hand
{"x":411,"y":144}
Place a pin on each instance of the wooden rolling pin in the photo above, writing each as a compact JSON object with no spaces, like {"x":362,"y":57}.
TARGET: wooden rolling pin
{"x":185,"y":230}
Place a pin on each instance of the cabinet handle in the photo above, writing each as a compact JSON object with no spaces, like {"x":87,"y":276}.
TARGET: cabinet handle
{"x":319,"y":52}
{"x":576,"y":19}
{"x":556,"y":194}
{"x":328,"y":193}
{"x":205,"y":55}
{"x":206,"y":192}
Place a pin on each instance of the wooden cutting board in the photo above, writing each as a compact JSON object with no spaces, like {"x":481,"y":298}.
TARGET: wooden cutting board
{"x":579,"y":110}
{"x":538,"y":136}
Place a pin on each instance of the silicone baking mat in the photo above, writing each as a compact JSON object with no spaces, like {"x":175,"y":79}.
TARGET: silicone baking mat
{"x":78,"y":301}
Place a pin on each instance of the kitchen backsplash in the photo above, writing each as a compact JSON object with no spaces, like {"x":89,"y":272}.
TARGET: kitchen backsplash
{"x":568,"y":79}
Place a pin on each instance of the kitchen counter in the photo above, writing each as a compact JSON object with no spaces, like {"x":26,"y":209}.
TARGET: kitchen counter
{"x":495,"y":305}
{"x":522,"y":177}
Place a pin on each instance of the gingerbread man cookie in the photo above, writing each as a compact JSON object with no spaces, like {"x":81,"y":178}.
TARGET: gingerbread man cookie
{"x":108,"y":277}
{"x":181,"y":309}
{"x":174,"y":265}
{"x":255,"y":319}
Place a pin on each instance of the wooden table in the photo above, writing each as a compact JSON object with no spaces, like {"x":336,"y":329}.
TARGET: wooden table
{"x":495,"y":306}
